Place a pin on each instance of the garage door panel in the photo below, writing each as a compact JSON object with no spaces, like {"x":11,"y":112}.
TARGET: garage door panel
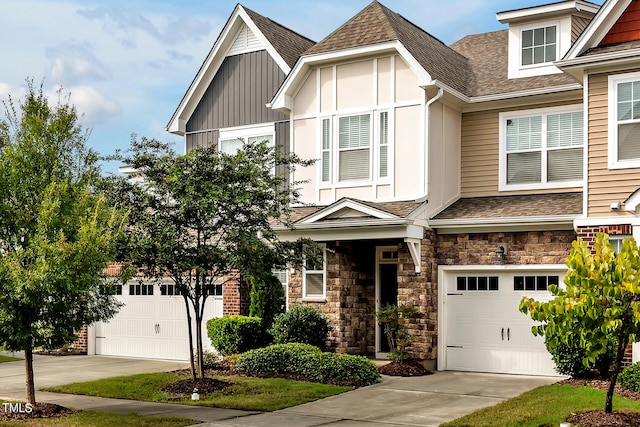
{"x":486,"y":332}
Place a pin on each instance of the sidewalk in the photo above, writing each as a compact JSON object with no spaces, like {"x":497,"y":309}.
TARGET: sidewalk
{"x":394,"y":402}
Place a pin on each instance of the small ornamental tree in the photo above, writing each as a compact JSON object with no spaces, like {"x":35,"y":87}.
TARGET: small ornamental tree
{"x":205,"y":216}
{"x":601,"y":302}
{"x":267,"y":298}
{"x":394,"y":322}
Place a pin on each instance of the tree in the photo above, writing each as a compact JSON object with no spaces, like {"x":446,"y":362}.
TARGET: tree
{"x":267,"y":298}
{"x":56,"y":231}
{"x":204,"y":216}
{"x":601,"y":301}
{"x":394,"y":319}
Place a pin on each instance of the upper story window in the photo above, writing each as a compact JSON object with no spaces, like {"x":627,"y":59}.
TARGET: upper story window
{"x":231,"y":140}
{"x":541,"y":148}
{"x":624,"y":120}
{"x":539,"y":45}
{"x":361,"y":153}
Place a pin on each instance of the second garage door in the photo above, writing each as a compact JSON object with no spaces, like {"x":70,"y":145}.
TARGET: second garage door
{"x":485,"y":331}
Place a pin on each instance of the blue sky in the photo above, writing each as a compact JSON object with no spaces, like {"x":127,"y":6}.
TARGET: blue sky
{"x":127,"y":64}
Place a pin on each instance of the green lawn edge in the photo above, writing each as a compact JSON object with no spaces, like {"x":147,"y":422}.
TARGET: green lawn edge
{"x":545,"y":405}
{"x":8,"y":358}
{"x":245,"y":393}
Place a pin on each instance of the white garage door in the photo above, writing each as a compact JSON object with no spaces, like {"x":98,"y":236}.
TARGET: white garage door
{"x":151,"y":324}
{"x":485,"y":331}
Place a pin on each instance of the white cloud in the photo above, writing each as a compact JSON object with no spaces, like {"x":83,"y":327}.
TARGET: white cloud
{"x":95,"y":107}
{"x":73,"y":63}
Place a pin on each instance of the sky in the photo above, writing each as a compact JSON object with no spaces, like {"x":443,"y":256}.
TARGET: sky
{"x":127,"y":64}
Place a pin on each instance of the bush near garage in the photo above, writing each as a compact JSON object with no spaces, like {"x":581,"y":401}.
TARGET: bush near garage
{"x":302,"y":324}
{"x":236,"y":334}
{"x":310,"y":362}
{"x":569,"y":359}
{"x":630,"y":377}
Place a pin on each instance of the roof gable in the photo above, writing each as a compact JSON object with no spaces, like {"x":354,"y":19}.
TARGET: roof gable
{"x":626,"y":28}
{"x":244,"y":31}
{"x":347,"y":209}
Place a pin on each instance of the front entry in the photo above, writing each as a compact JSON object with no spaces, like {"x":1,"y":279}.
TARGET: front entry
{"x":386,"y":290}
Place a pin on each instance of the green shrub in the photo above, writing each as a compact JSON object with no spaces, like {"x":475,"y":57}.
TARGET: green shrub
{"x":302,"y":324}
{"x":267,"y":298}
{"x":311,"y":362}
{"x":568,"y":360}
{"x":630,"y":377}
{"x":235,"y":334}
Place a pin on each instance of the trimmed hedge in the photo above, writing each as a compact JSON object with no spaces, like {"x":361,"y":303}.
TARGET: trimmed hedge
{"x":630,"y":377}
{"x":309,"y":361}
{"x":235,"y":334}
{"x":302,"y":324}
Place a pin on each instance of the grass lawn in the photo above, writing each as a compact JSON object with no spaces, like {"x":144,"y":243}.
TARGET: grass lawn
{"x":546,"y":405}
{"x":247,"y":393}
{"x":8,"y":358}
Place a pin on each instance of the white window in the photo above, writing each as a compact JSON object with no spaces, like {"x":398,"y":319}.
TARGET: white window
{"x":362,"y":151}
{"x":624,"y":121}
{"x":231,"y":140}
{"x":541,"y":148}
{"x":539,"y":45}
{"x":313,"y":276}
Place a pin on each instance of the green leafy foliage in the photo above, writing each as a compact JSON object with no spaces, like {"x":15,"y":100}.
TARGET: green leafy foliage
{"x":235,"y":334}
{"x":203,"y":217}
{"x":569,"y":360}
{"x":267,"y":298}
{"x":630,"y":377}
{"x":301,"y":324}
{"x":57,"y":228}
{"x":394,"y":321}
{"x":311,"y":362}
{"x":600,"y":304}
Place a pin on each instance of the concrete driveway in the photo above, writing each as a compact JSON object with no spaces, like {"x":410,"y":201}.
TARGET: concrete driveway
{"x":418,"y":401}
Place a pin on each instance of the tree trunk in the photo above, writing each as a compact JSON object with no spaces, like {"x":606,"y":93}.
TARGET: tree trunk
{"x":191,"y":361}
{"x":28,"y":364}
{"x":199,"y":350}
{"x":622,"y":345}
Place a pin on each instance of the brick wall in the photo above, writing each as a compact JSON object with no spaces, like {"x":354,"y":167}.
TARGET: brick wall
{"x":588,"y":234}
{"x":235,"y":296}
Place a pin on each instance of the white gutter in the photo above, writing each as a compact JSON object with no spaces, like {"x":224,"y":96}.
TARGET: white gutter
{"x":530,"y":223}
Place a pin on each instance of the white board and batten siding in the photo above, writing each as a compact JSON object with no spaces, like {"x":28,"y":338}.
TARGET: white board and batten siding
{"x":151,"y":324}
{"x":483,"y":330}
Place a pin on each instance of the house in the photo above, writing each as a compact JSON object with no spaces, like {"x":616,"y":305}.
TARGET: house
{"x":452,"y":178}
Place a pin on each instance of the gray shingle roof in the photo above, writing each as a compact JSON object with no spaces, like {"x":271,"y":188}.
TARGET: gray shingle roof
{"x":286,"y":42}
{"x":377,"y":24}
{"x":519,"y":206}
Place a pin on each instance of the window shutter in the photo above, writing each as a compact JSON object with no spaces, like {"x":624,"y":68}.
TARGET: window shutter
{"x":384,"y":141}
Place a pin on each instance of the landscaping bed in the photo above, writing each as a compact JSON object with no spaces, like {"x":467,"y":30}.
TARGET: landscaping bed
{"x":39,"y":410}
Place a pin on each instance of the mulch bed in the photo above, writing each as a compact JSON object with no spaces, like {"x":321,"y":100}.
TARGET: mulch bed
{"x":601,"y":418}
{"x":39,"y":410}
{"x":404,"y":368}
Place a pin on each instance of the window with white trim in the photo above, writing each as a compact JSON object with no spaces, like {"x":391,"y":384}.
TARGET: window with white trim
{"x":231,"y":140}
{"x":313,"y":275}
{"x":233,"y":145}
{"x":541,"y":148}
{"x":539,"y":45}
{"x":624,"y":120}
{"x":362,"y":150}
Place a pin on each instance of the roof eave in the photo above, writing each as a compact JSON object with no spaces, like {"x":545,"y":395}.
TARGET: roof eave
{"x":467,"y":225}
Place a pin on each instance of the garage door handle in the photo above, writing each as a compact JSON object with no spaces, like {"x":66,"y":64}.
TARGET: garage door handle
{"x":157,"y":328}
{"x":508,"y":334}
{"x":502,"y":334}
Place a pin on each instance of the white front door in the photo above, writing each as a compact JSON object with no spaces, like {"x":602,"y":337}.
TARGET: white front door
{"x":151,"y":325}
{"x":485,"y":331}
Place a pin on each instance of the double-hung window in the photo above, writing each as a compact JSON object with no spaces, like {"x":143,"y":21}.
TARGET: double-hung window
{"x":361,"y":151}
{"x":624,"y":120}
{"x":232,"y":139}
{"x":541,"y":148}
{"x":539,"y":45}
{"x":313,"y":275}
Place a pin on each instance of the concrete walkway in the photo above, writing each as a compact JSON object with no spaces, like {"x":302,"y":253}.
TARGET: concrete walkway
{"x":418,"y":401}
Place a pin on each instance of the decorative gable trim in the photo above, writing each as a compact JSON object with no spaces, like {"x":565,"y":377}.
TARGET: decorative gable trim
{"x":246,"y":41}
{"x":632,"y":202}
{"x":225,"y":43}
{"x":347,"y":208}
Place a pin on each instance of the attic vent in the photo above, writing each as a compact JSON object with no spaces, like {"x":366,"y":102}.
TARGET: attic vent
{"x":246,"y":41}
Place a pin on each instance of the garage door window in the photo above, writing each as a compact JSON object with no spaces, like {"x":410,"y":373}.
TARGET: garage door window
{"x":140,"y":288}
{"x":477,"y":283}
{"x":534,"y":283}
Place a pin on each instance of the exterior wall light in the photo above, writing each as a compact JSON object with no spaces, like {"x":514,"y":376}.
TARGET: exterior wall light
{"x":500,"y":254}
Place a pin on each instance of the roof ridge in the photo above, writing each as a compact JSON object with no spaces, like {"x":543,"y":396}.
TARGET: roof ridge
{"x":251,"y":11}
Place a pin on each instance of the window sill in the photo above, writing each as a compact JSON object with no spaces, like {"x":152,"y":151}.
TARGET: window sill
{"x":314,"y":299}
{"x":624,"y":164}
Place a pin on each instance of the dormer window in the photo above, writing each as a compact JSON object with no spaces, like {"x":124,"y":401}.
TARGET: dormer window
{"x":539,"y":45}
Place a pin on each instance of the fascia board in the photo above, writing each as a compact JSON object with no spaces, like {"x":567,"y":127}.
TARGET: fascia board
{"x":599,"y":26}
{"x":353,"y":230}
{"x":537,"y":12}
{"x":452,"y":226}
{"x":212,"y":64}
{"x":348,"y":204}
